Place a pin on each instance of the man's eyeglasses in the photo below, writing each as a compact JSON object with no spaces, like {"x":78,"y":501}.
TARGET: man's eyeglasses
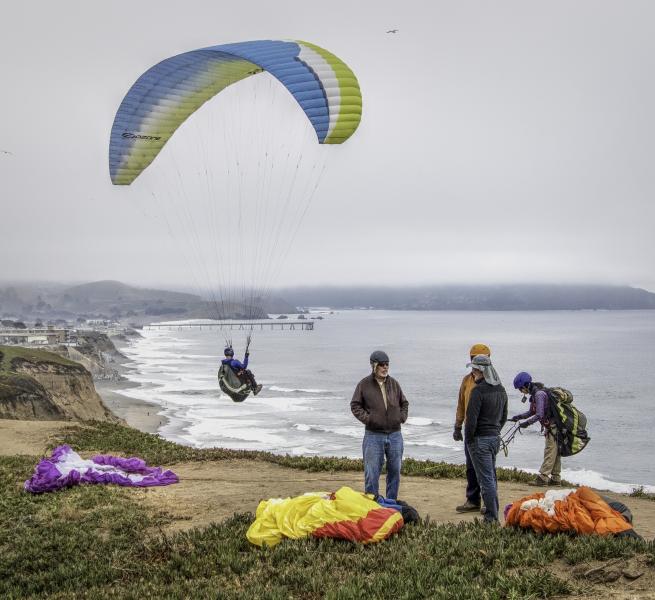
{"x":383,"y":364}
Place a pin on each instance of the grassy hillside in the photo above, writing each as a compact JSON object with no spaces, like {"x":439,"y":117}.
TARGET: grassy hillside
{"x":9,"y":354}
{"x":97,"y":542}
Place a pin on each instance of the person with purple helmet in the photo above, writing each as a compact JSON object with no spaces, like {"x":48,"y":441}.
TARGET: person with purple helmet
{"x":551,"y":468}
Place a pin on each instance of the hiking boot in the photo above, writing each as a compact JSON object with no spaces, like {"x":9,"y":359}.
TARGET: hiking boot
{"x":554,"y":482}
{"x":483,"y":509}
{"x":467,"y":507}
{"x":258,"y":388}
{"x":539,"y":481}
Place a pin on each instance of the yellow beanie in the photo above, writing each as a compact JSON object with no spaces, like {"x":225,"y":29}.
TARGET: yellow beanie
{"x":480,"y":349}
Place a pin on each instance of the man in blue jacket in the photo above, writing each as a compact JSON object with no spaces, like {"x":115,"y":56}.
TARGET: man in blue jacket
{"x":241,"y":369}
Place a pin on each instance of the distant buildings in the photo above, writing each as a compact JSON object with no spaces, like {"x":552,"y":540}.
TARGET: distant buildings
{"x":36,"y":336}
{"x":52,"y":336}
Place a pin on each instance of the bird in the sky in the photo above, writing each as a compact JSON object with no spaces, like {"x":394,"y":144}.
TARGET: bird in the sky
{"x":392,"y":31}
{"x":6,"y":152}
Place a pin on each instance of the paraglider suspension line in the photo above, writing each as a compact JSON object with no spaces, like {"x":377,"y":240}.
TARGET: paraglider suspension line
{"x":508,"y":437}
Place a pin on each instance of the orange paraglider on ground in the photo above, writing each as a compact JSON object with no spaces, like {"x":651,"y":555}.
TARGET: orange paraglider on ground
{"x":580,"y":511}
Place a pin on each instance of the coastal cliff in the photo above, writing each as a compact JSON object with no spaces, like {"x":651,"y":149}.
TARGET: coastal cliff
{"x":41,"y":385}
{"x":96,"y":352}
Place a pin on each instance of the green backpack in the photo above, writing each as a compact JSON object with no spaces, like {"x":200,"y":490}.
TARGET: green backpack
{"x":570,"y":423}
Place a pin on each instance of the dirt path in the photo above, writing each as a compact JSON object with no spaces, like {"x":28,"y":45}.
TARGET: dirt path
{"x":209,"y":492}
{"x":28,"y":437}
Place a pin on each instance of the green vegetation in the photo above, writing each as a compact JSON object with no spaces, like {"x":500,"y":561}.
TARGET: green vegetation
{"x":11,"y":354}
{"x":109,"y":437}
{"x":96,"y":541}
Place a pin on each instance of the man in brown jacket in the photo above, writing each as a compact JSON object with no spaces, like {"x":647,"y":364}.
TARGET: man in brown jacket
{"x":472,"y":503}
{"x":379,"y":403}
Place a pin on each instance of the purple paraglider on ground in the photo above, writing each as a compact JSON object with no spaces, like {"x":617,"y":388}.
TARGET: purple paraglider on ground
{"x":66,"y":468}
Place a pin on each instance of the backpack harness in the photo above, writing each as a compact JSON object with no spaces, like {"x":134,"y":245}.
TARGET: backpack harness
{"x":569,"y":423}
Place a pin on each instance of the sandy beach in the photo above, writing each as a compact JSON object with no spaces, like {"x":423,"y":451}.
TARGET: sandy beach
{"x":137,"y":413}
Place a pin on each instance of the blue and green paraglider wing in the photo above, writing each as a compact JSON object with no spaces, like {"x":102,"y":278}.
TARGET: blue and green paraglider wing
{"x":168,"y":93}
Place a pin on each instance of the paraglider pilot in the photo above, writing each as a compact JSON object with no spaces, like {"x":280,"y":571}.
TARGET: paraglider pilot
{"x":241,"y":370}
{"x":551,"y":468}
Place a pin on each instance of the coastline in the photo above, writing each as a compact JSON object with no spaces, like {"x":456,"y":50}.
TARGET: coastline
{"x":142,"y":415}
{"x":220,"y":424}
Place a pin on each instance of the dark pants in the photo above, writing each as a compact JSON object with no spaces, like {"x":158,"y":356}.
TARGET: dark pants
{"x":246,"y":376}
{"x":483,"y":451}
{"x":472,"y":485}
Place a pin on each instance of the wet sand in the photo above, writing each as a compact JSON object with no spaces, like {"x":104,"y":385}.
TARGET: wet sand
{"x":139,"y":414}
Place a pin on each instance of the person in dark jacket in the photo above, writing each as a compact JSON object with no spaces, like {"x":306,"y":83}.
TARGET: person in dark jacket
{"x":241,"y":369}
{"x":473,"y":501}
{"x":379,"y":403}
{"x":486,"y":415}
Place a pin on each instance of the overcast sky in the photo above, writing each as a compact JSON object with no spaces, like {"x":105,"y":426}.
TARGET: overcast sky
{"x":504,"y":141}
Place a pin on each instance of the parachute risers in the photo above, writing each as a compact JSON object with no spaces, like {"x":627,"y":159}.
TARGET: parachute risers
{"x":249,"y":162}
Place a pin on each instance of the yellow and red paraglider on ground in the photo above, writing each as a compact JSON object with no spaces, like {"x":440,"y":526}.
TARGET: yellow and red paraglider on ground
{"x":344,"y":514}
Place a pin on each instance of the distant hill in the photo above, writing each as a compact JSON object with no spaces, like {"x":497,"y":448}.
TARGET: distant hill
{"x":112,"y":291}
{"x":116,"y":300}
{"x":483,"y":297}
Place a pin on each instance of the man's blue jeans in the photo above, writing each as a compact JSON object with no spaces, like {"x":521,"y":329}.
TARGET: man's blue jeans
{"x":472,"y":485}
{"x":375,"y":447}
{"x":483,"y":450}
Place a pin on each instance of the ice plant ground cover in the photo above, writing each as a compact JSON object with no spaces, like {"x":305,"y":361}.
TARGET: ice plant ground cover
{"x":123,"y":551}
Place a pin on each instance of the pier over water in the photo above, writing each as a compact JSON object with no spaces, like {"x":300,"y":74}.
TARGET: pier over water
{"x":298,"y":325}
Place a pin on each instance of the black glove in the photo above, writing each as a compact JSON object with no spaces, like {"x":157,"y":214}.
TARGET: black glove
{"x":524,"y":425}
{"x":247,"y":354}
{"x":457,"y":434}
{"x":515,"y":418}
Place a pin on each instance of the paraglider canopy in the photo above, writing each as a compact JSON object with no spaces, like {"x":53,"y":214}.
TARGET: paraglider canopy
{"x":165,"y":95}
{"x":234,"y":186}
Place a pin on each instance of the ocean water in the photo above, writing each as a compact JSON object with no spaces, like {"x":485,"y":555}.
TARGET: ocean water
{"x":605,"y":358}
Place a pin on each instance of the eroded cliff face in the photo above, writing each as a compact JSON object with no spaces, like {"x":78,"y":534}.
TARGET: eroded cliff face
{"x":97,"y":353}
{"x":39,"y":389}
{"x":25,"y":399}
